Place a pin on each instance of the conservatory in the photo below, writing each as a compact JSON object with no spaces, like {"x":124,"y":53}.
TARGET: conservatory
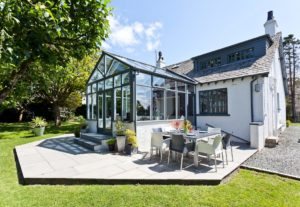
{"x":137,"y":93}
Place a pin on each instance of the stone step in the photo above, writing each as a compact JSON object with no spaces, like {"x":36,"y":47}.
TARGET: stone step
{"x":97,"y":138}
{"x":271,"y":141}
{"x":94,"y":146}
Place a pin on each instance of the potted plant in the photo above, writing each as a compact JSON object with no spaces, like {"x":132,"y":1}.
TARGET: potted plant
{"x":111,"y":144}
{"x":131,"y":142}
{"x":38,"y":125}
{"x":120,"y":136}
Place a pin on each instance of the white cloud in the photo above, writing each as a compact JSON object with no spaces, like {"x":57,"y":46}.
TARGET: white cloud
{"x":128,"y":36}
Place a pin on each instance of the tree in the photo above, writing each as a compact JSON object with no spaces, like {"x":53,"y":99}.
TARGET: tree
{"x":290,"y":47}
{"x":57,"y":85}
{"x":49,"y":32}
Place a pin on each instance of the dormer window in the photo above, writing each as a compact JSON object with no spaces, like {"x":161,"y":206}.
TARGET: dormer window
{"x":210,"y":63}
{"x":240,"y":55}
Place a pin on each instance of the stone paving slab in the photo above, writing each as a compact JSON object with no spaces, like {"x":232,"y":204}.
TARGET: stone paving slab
{"x":59,"y":161}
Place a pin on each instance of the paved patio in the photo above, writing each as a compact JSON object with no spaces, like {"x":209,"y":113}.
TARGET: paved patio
{"x":59,"y":161}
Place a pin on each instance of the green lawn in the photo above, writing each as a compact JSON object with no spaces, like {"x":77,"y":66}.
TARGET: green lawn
{"x":247,"y":188}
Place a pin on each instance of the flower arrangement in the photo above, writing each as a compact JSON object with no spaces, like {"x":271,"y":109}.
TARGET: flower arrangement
{"x":187,"y":126}
{"x":176,"y":124}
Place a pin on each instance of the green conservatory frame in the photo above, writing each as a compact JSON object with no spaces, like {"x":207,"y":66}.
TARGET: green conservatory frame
{"x":136,"y":92}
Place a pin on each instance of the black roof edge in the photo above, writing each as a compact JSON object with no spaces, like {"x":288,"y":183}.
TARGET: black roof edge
{"x":236,"y":44}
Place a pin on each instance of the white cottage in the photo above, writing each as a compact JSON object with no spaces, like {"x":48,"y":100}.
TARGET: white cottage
{"x":240,"y":88}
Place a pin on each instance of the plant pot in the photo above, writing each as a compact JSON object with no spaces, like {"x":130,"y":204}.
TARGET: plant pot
{"x":111,"y":147}
{"x":38,"y":131}
{"x":128,"y":149}
{"x":121,"y":143}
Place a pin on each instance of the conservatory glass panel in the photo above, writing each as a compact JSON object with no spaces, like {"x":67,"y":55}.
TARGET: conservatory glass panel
{"x":108,"y":61}
{"x":108,"y":108}
{"x":94,"y":88}
{"x":96,"y":76}
{"x":181,"y":105}
{"x":190,"y":88}
{"x":190,"y":107}
{"x":170,"y":84}
{"x":118,"y":102}
{"x":180,"y":86}
{"x":117,"y":67}
{"x":143,"y":102}
{"x":89,"y":108}
{"x":158,"y":82}
{"x":171,"y":104}
{"x":100,"y":110}
{"x":108,"y":83}
{"x":100,"y":86}
{"x":143,"y":79}
{"x":158,"y":103}
{"x":94,"y":106}
{"x":101,"y":66}
{"x":126,"y":103}
{"x":125,"y":78}
{"x":118,"y":80}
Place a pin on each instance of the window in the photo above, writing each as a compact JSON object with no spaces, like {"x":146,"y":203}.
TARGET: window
{"x":240,"y":55}
{"x":143,"y":102}
{"x":171,"y":105}
{"x":213,"y":102}
{"x":278,"y":102}
{"x":181,"y":105}
{"x":190,"y":107}
{"x":158,"y":103}
{"x":90,"y":106}
{"x":96,"y":76}
{"x":213,"y":62}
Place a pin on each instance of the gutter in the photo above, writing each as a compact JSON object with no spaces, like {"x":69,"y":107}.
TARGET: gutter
{"x":251,"y":97}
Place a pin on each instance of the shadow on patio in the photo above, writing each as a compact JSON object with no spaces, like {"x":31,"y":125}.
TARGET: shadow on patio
{"x":65,"y":144}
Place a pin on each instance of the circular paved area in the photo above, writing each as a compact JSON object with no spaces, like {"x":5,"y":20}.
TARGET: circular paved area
{"x":284,"y":158}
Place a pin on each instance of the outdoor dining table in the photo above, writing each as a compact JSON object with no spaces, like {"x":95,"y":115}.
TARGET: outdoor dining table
{"x":198,"y":136}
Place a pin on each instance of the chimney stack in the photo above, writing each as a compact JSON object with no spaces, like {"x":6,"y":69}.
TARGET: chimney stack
{"x":270,"y":25}
{"x":160,"y":61}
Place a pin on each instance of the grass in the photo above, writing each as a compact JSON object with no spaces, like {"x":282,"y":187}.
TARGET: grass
{"x":247,"y":188}
{"x":295,"y":124}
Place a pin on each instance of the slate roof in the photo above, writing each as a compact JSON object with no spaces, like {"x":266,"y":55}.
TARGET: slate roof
{"x":140,"y":66}
{"x":249,"y":67}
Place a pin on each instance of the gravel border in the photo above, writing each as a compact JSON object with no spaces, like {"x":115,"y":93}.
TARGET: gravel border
{"x":284,"y":159}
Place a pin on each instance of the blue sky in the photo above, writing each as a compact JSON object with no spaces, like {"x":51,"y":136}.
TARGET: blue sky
{"x":183,"y":29}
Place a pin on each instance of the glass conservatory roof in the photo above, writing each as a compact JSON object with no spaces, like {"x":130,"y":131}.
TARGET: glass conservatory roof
{"x":152,"y":69}
{"x":111,"y":64}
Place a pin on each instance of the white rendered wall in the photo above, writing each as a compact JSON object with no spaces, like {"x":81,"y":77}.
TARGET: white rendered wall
{"x":276,"y":110}
{"x":144,"y":130}
{"x":239,"y":107}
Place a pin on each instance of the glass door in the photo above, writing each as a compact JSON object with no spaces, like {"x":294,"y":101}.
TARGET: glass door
{"x":100,"y":111}
{"x":108,"y":112}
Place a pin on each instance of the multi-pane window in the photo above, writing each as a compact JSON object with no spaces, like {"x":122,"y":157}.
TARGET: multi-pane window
{"x":213,"y":62}
{"x":241,"y":55}
{"x":213,"y":102}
